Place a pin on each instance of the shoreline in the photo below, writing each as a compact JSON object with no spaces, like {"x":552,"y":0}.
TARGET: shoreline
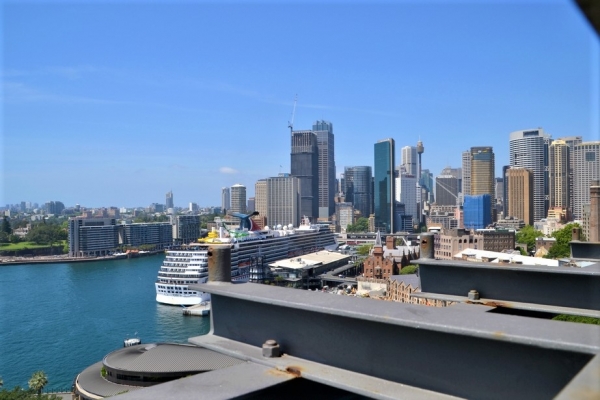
{"x":61,"y":259}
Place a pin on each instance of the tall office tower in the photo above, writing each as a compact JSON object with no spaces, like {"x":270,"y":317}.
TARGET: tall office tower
{"x":238,"y":198}
{"x":571,"y":142}
{"x":521,"y":194}
{"x":427,"y":184}
{"x":169,"y":200}
{"x":326,"y":146}
{"x":225,"y":199}
{"x":260,"y":198}
{"x":505,"y":169}
{"x":476,"y":211}
{"x":482,"y":173}
{"x":446,"y":188}
{"x":283,"y":200}
{"x":343,"y":215}
{"x":409,"y":160}
{"x":384,"y":185}
{"x":559,"y":160}
{"x":499,"y":194}
{"x":305,"y":166}
{"x":586,"y":163}
{"x":466,"y":173}
{"x":358,"y":189}
{"x":529,"y":149}
{"x":251,"y":206}
{"x":421,"y":193}
{"x":406,"y":193}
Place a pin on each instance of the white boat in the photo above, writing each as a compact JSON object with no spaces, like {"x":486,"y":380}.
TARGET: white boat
{"x":251,"y":249}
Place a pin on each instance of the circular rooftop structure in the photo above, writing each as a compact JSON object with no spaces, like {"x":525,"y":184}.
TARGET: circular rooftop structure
{"x":134,"y":367}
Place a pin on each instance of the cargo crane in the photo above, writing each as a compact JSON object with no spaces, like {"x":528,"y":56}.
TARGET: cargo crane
{"x":291,"y":122}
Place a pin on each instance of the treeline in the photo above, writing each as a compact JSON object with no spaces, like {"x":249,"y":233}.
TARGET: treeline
{"x":41,"y":233}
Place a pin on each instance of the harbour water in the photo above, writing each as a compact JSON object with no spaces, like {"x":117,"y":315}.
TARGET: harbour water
{"x":61,"y":318}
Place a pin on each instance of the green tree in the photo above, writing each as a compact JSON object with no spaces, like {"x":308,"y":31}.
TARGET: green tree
{"x":409,"y":269}
{"x":37,"y":381}
{"x":364,"y":249}
{"x":361,"y":225}
{"x":6,"y":226}
{"x":561,"y":247}
{"x":527,"y":235}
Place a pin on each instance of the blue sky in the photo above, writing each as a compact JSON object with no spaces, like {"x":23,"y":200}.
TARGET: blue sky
{"x":116,"y":103}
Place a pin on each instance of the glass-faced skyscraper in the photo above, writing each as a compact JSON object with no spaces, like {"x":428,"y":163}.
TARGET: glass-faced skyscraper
{"x":384,"y":185}
{"x":305,"y":166}
{"x":529,"y":149}
{"x":409,"y":162}
{"x":326,"y":167}
{"x":482,"y":173}
{"x":357,"y":189}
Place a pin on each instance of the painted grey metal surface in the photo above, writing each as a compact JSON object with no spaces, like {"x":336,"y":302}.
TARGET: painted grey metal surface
{"x":450,"y":351}
{"x":227,"y":383}
{"x":509,"y":304}
{"x":562,"y":287}
{"x":394,"y":350}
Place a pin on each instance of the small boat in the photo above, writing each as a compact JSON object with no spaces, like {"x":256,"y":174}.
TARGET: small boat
{"x":131,"y":342}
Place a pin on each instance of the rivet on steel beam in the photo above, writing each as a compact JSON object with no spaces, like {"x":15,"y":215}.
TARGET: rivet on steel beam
{"x":473,"y":295}
{"x":271,"y":349}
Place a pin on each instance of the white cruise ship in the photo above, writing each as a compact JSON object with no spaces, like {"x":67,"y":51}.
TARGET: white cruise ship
{"x":188,"y":264}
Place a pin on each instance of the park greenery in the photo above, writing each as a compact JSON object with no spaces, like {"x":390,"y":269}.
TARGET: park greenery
{"x":36,"y":383}
{"x":361,"y":225}
{"x":577,"y":318}
{"x":561,"y":247}
{"x":527,"y":235}
{"x":409,"y":269}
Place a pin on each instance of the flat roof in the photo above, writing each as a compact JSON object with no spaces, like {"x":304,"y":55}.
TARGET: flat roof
{"x":310,"y":260}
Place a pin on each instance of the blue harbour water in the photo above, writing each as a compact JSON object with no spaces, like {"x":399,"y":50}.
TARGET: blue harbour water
{"x":61,"y":318}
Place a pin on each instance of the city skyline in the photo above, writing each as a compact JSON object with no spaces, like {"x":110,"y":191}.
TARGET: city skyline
{"x":194,"y":97}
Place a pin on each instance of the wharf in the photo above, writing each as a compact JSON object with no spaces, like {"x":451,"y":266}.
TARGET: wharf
{"x":201,"y":310}
{"x":4,"y":260}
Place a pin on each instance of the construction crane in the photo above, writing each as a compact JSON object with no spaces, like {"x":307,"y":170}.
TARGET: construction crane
{"x":291,"y":123}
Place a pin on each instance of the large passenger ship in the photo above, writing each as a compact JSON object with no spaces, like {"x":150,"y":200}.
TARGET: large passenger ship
{"x":250,"y":246}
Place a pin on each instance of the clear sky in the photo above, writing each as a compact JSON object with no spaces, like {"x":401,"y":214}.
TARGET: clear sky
{"x":112,"y":103}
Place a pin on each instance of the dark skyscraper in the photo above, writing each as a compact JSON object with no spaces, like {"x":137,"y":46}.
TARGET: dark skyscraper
{"x":305,"y":166}
{"x":384,"y":185}
{"x":358,"y":189}
{"x":326,"y":146}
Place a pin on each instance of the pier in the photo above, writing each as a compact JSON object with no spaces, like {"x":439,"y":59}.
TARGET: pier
{"x":201,"y":310}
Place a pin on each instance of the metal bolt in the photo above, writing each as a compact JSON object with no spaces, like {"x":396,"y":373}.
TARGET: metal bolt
{"x":473,"y":295}
{"x":271,"y":349}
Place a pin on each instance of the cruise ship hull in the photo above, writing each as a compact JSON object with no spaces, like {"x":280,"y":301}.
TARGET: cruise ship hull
{"x":180,"y":300}
{"x":189,"y":264}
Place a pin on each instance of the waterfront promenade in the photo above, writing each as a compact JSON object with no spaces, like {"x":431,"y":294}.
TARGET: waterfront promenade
{"x":63,"y":258}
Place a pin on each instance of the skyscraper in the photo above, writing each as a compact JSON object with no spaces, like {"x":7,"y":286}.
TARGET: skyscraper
{"x":283,"y":200}
{"x":305,"y":166}
{"x":409,"y":160}
{"x":260,"y":198}
{"x":586,"y":165}
{"x":520,"y":194}
{"x":447,"y":188}
{"x":225,"y":199}
{"x":405,"y":192}
{"x":358,"y":189}
{"x":238,"y":198}
{"x":482,"y":173}
{"x":477,"y":213}
{"x":384,"y":185}
{"x":571,"y":142}
{"x":529,"y":149}
{"x":326,"y":167}
{"x":560,"y":165}
{"x":169,"y":200}
{"x":466,"y":173}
